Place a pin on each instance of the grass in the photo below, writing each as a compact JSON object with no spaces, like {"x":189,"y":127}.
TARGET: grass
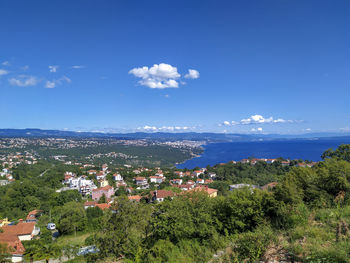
{"x":73,"y":240}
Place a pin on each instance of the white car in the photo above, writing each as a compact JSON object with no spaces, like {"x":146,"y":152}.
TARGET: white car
{"x":51,"y":226}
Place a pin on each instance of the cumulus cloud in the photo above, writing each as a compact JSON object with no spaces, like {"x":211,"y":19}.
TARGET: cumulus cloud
{"x":257,"y":129}
{"x":258,"y":119}
{"x":24,"y":81}
{"x":192,"y":74}
{"x":5,"y":63}
{"x":160,"y":76}
{"x":53,"y":69}
{"x":3,"y":72}
{"x":228,"y":123}
{"x":165,"y":128}
{"x":50,"y":84}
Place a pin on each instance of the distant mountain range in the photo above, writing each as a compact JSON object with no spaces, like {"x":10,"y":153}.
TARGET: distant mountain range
{"x":210,"y":137}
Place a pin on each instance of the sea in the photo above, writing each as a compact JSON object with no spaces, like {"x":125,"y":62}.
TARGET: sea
{"x":306,"y":149}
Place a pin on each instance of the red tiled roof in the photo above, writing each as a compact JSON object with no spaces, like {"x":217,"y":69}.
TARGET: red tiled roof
{"x":140,"y":178}
{"x":105,"y":188}
{"x":103,"y":206}
{"x":136,"y":198}
{"x":163,"y":193}
{"x":32,"y":214}
{"x":90,"y":203}
{"x":20,"y":229}
{"x":208,"y":190}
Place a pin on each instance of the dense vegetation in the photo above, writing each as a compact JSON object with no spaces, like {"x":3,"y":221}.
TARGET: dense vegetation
{"x":305,"y":218}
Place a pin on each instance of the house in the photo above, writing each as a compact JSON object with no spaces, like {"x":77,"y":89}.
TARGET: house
{"x":141,"y":182}
{"x":156,"y":179}
{"x":135,"y":198}
{"x":160,"y":195}
{"x":88,"y":204}
{"x":176,"y":181}
{"x":190,"y":182}
{"x":200,"y":181}
{"x":92,"y":172}
{"x":102,"y":182}
{"x":4,"y":222}
{"x":285,"y":163}
{"x":208,"y":181}
{"x":14,"y":245}
{"x":179,"y":173}
{"x":212,"y":175}
{"x":186,"y":187}
{"x":100,"y":175}
{"x":210,"y":191}
{"x":23,"y":230}
{"x":136,"y":171}
{"x":197,"y":173}
{"x":33,"y":215}
{"x":97,"y":193}
{"x":104,"y":167}
{"x":103,"y":206}
{"x":117,"y":177}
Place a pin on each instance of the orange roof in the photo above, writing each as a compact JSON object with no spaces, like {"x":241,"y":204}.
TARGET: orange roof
{"x":163,"y":193}
{"x":32,"y":214}
{"x":208,"y":190}
{"x":135,"y":197}
{"x":90,"y":203}
{"x":105,"y":188}
{"x":140,"y":178}
{"x":103,"y":206}
{"x":19,"y":229}
{"x":15,"y":246}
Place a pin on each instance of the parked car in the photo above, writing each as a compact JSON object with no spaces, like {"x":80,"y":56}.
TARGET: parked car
{"x":51,"y":226}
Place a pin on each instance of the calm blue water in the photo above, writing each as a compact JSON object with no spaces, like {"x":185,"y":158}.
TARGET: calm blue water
{"x":293,"y":149}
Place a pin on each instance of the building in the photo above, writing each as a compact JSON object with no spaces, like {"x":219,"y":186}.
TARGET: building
{"x":117,"y":177}
{"x":176,"y":181}
{"x":156,"y":179}
{"x":135,"y":198}
{"x":141,"y":182}
{"x":97,"y":193}
{"x":33,"y":215}
{"x":210,"y":191}
{"x":160,"y":195}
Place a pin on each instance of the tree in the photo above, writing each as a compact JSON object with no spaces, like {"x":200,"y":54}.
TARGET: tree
{"x":71,"y":218}
{"x":342,"y":153}
{"x":123,"y":232}
{"x":4,"y":254}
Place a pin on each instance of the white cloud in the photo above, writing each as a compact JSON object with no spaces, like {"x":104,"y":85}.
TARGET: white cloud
{"x":24,"y":81}
{"x":5,"y":63}
{"x":78,"y":66}
{"x":53,"y":69}
{"x":192,"y":74}
{"x":50,"y":84}
{"x":257,"y":129}
{"x":3,"y":72}
{"x":160,"y":76}
{"x":259,"y":119}
{"x":228,"y":123}
{"x":165,"y":128}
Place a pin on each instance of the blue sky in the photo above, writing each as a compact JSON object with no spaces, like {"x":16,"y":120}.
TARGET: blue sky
{"x":263,"y":66}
